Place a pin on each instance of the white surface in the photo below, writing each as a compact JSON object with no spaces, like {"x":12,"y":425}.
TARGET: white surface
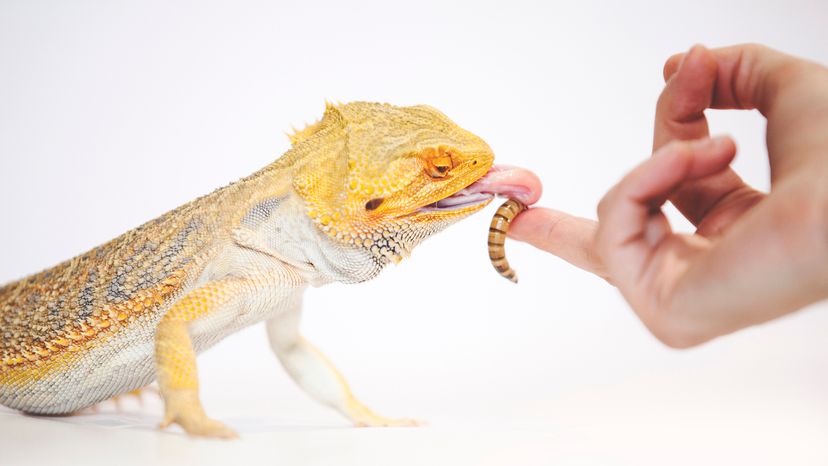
{"x":112,"y":113}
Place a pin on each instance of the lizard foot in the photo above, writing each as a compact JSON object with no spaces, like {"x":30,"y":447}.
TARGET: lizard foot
{"x":361,"y":416}
{"x":379,"y":421}
{"x":184,"y":408}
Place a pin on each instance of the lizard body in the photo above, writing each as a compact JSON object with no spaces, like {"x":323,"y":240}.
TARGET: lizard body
{"x":356,"y":191}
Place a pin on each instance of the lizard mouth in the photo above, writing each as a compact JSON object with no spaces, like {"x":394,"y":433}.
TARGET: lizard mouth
{"x":458,"y":201}
{"x":500,"y":180}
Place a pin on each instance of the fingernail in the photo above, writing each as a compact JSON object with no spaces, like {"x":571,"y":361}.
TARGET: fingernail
{"x":689,"y":52}
{"x":684,"y":58}
{"x":696,"y":48}
{"x":717,"y":141}
{"x":681,"y":62}
{"x":708,"y":143}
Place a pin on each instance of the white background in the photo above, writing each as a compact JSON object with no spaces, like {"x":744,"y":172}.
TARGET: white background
{"x":112,"y":113}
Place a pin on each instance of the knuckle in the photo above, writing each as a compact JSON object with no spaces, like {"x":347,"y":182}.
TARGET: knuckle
{"x":663,"y":99}
{"x":552,"y":229}
{"x":594,"y":257}
{"x":753,"y":48}
{"x":677,"y":145}
{"x":752,"y":53}
{"x":682,"y":108}
{"x":672,"y":324}
{"x":766,"y":71}
{"x":679,"y":148}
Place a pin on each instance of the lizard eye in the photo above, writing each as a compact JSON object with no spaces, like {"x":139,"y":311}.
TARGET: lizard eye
{"x":373,"y":203}
{"x":439,"y":166}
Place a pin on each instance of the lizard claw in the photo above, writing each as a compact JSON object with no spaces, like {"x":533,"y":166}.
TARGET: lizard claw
{"x":184,"y":409}
{"x":379,"y":421}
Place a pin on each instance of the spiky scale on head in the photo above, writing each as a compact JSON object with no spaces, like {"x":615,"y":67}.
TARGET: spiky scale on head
{"x":368,"y":169}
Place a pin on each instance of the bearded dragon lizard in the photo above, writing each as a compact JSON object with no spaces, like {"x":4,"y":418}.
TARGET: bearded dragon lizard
{"x":356,"y":191}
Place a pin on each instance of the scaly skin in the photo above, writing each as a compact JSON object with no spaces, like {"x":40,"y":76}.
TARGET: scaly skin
{"x":351,"y":195}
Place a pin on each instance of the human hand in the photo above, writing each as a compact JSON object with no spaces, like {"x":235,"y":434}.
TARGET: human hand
{"x":754,"y":256}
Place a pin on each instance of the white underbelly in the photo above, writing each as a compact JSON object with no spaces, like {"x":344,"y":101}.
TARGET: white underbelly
{"x":126,"y":361}
{"x":243,"y":312}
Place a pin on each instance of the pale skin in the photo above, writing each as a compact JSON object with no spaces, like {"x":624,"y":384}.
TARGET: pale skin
{"x":754,"y":256}
{"x":309,"y":367}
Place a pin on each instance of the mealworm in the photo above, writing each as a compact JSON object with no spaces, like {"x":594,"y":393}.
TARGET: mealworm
{"x":497,"y":237}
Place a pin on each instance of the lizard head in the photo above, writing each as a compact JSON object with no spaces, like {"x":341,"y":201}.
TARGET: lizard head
{"x":383,"y":178}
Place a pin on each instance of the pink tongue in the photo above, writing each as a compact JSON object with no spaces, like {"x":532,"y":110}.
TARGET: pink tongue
{"x":511,"y":182}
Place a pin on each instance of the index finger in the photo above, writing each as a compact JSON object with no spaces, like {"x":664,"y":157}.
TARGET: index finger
{"x":631,"y":224}
{"x":569,"y":237}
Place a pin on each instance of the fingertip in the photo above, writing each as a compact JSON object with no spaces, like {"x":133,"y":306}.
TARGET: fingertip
{"x":714,"y":156}
{"x":726,"y":143}
{"x":676,"y":62}
{"x":699,"y":63}
{"x":697,"y":49}
{"x":691,"y":80}
{"x":718,"y":145}
{"x":672,"y":65}
{"x":695,"y":158}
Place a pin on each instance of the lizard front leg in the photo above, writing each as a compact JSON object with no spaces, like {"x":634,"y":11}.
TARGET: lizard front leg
{"x":317,"y":376}
{"x":176,"y":364}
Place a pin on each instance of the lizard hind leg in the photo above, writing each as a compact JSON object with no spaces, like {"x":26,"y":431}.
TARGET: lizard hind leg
{"x":176,"y":365}
{"x":317,"y":376}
